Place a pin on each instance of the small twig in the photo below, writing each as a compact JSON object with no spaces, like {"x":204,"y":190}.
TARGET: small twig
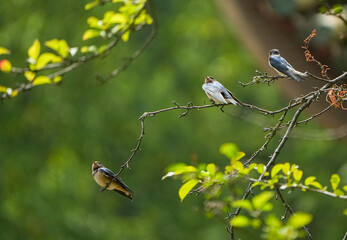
{"x":309,"y":236}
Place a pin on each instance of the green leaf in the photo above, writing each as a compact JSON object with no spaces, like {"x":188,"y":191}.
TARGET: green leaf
{"x":339,"y":192}
{"x":211,"y":169}
{"x":34,"y":50}
{"x":40,"y":80}
{"x":260,"y":168}
{"x":261,"y":199}
{"x":299,"y":219}
{"x":337,"y":8}
{"x":256,"y":223}
{"x":3,"y":89}
{"x":286,"y":168}
{"x":5,"y":65}
{"x":45,"y":58}
{"x":60,"y":46}
{"x":276,"y":169}
{"x":91,"y":5}
{"x":125,"y":36}
{"x":345,"y":212}
{"x":240,"y":221}
{"x":309,"y":180}
{"x":245,"y":204}
{"x":57,"y":79}
{"x":335,"y":181}
{"x":185,"y":188}
{"x":297,"y":174}
{"x":344,"y":188}
{"x":29,"y":75}
{"x":4,"y":51}
{"x":91,"y":33}
{"x":179,"y":168}
{"x":94,"y":22}
{"x":231,"y":150}
{"x":316,"y":184}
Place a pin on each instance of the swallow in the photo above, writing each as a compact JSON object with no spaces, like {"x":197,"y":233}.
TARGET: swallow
{"x":108,"y":180}
{"x":283,"y":67}
{"x":217,"y":93}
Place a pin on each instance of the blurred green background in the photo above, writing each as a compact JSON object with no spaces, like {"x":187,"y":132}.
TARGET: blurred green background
{"x":51,"y":135}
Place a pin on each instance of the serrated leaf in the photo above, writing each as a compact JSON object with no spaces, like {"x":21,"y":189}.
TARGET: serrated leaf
{"x":240,"y":221}
{"x":211,"y":169}
{"x":335,"y":181}
{"x":185,"y":188}
{"x":40,"y":80}
{"x":29,"y":75}
{"x":245,"y":204}
{"x":91,"y":33}
{"x":4,"y":51}
{"x":34,"y":50}
{"x":276,"y":169}
{"x":261,"y":199}
{"x":297,"y":174}
{"x":5,"y":65}
{"x":46,"y":58}
{"x":299,"y":219}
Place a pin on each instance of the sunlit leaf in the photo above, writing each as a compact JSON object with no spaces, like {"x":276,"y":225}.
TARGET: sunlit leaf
{"x":91,"y":33}
{"x":29,"y":75}
{"x":60,"y":46}
{"x":297,"y":174}
{"x":231,"y":150}
{"x":91,"y":5}
{"x":179,"y":168}
{"x":94,"y":22}
{"x":185,"y":188}
{"x":260,"y":168}
{"x":345,"y":188}
{"x":310,"y":179}
{"x":345,"y":212}
{"x":339,"y":192}
{"x":34,"y":50}
{"x":299,"y":219}
{"x":125,"y":36}
{"x":46,"y":58}
{"x":240,"y":221}
{"x":245,"y":204}
{"x":256,"y":223}
{"x":40,"y":80}
{"x":211,"y":169}
{"x":57,"y":79}
{"x":276,"y":169}
{"x":267,"y":207}
{"x":316,"y":184}
{"x":5,"y":65}
{"x":286,"y":168}
{"x":3,"y":89}
{"x":4,"y":51}
{"x":335,"y":181}
{"x":261,"y":199}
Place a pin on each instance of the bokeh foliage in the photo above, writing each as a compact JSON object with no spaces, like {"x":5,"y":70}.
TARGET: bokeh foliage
{"x":50,"y":136}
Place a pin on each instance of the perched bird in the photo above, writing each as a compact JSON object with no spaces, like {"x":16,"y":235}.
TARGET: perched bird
{"x":108,"y":180}
{"x":283,"y":67}
{"x":217,"y":93}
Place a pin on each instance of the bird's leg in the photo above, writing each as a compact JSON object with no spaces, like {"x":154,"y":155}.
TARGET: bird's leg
{"x":221,"y":108}
{"x":106,"y":186}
